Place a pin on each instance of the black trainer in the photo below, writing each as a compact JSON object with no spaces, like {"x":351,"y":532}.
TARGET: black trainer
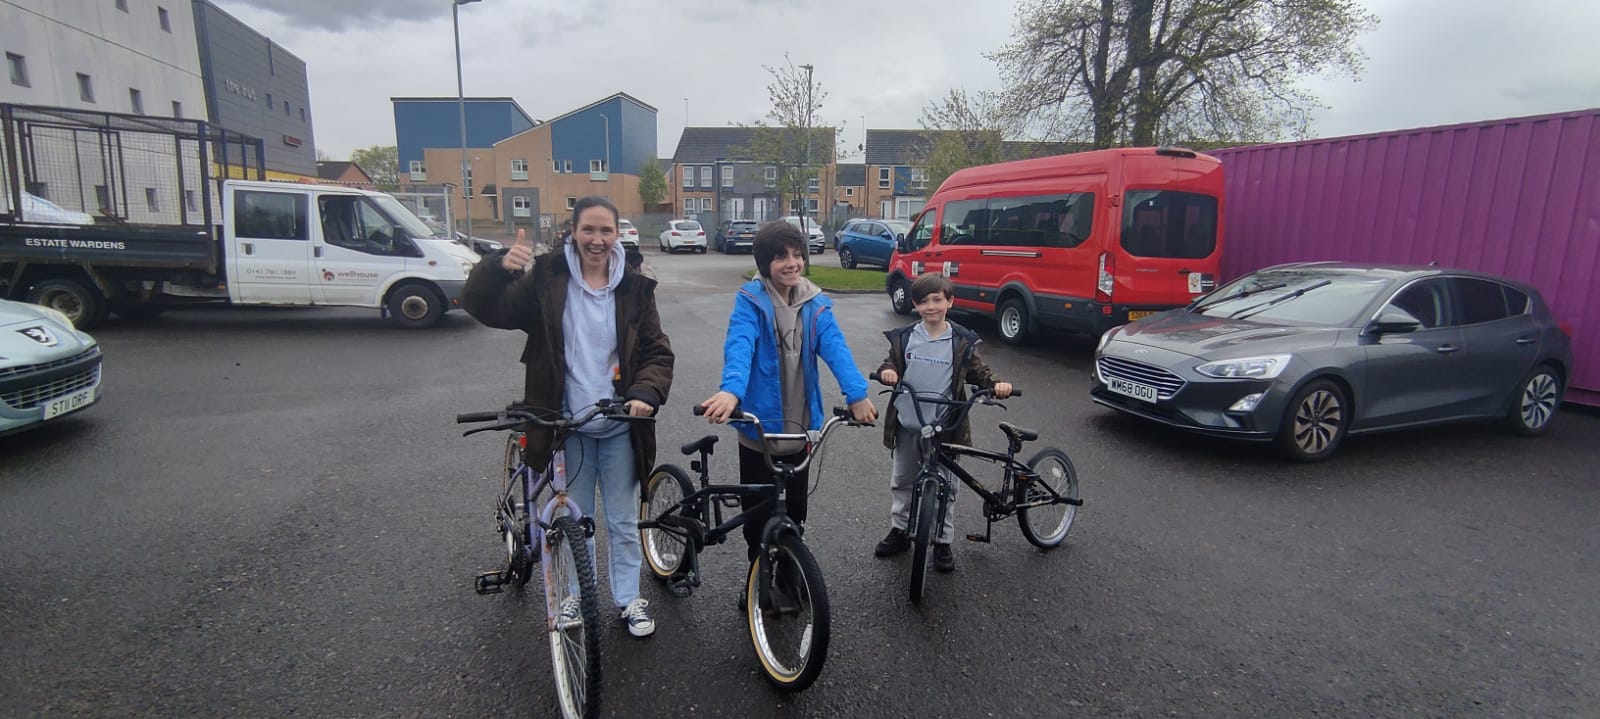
{"x":943,"y":560}
{"x":897,"y":541}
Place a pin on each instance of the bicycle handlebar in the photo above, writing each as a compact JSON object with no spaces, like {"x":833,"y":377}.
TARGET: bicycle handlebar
{"x":513,"y":417}
{"x":840,"y":416}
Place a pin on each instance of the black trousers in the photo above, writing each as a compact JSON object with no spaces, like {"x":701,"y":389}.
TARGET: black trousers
{"x":753,"y":470}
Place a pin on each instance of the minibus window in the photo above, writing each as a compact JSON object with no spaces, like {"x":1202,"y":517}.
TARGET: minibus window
{"x":1171,"y":224}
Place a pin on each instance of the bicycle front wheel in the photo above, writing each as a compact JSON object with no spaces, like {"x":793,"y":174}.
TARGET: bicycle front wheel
{"x":663,"y":551}
{"x":790,"y":633}
{"x":1044,"y":512}
{"x":574,"y":620}
{"x":926,"y":517}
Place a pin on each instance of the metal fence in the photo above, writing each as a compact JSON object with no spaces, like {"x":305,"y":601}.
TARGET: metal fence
{"x":119,"y":168}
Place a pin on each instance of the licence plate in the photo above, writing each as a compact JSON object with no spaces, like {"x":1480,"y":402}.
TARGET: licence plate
{"x":1142,"y":392}
{"x":1139,"y":314}
{"x":77,"y":400}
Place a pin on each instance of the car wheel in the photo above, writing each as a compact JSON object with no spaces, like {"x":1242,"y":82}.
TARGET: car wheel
{"x":847,"y":259}
{"x":415,"y":307}
{"x":1014,"y":321}
{"x":1536,"y":402}
{"x":900,"y":297}
{"x":82,"y":304}
{"x":1315,"y":422}
{"x":700,"y":250}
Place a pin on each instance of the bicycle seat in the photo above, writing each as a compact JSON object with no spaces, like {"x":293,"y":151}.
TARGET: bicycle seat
{"x":1021,"y":434}
{"x":704,"y":443}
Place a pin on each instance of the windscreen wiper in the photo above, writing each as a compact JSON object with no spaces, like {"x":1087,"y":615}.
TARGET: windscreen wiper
{"x":1194,"y":306}
{"x":1262,"y":306}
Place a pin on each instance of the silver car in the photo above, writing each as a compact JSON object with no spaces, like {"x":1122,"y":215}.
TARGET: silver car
{"x":1305,"y":354}
{"x":48,"y":369}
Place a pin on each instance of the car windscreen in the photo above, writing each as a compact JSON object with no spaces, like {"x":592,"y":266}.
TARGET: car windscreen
{"x":688,"y":225}
{"x":899,"y":227}
{"x":1292,"y":297}
{"x":743,"y":226}
{"x":624,"y":225}
{"x":402,"y":216}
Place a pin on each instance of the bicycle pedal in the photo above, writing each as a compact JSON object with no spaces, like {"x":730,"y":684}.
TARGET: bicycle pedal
{"x":488,"y":583}
{"x":977,"y":538}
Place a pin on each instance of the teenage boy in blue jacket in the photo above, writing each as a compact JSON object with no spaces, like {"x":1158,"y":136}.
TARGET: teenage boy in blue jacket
{"x":781,"y":324}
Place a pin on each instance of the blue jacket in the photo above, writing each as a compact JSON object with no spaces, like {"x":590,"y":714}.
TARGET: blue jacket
{"x":750,"y":369}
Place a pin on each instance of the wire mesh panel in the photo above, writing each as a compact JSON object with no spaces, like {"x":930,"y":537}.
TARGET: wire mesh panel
{"x":120,"y":168}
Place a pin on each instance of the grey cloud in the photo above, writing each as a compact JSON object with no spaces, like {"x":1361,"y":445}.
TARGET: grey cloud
{"x":341,"y":15}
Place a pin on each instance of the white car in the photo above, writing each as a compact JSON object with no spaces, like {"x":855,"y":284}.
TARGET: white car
{"x":683,"y":235}
{"x":50,"y":368}
{"x":814,"y":236}
{"x":627,"y":234}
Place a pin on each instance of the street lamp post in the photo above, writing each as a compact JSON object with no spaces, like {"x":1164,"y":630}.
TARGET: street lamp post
{"x":461,"y":108}
{"x":805,"y":196}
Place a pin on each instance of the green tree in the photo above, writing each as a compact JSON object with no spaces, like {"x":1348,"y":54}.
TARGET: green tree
{"x":791,"y":138}
{"x":652,"y":184}
{"x":382,"y":164}
{"x":1144,"y":72}
{"x":961,"y":131}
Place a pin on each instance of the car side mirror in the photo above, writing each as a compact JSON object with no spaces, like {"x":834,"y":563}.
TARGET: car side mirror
{"x":901,"y":245}
{"x":1394,"y":321}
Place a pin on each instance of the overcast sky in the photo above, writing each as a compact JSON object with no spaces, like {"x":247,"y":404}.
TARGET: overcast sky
{"x":1430,"y":61}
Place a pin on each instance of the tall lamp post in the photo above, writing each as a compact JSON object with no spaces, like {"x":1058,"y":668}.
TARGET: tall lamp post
{"x":461,"y":107}
{"x":805,"y":197}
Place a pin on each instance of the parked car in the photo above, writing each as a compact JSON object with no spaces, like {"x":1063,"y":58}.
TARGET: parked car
{"x":870,"y":242}
{"x":1305,"y":354}
{"x":683,"y":235}
{"x":627,"y":234}
{"x":735,"y":235}
{"x":50,"y":368}
{"x":814,"y":237}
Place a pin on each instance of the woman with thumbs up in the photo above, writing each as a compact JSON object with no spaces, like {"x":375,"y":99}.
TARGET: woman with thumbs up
{"x":593,"y":333}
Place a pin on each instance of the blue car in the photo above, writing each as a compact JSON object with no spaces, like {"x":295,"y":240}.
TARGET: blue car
{"x":870,"y":242}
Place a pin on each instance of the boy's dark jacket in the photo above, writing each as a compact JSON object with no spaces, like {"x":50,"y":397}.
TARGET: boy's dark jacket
{"x":534,"y":303}
{"x":967,"y":368}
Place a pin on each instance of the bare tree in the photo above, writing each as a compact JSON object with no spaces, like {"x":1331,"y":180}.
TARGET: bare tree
{"x":962,"y":130}
{"x":1143,"y":72}
{"x":791,"y":138}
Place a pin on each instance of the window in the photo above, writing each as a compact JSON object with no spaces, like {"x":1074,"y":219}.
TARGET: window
{"x":1042,"y":221}
{"x":166,"y":21}
{"x":191,"y":200}
{"x":269,"y":215}
{"x":18,"y":67}
{"x":849,"y":192}
{"x":771,"y":174}
{"x":1480,"y":300}
{"x":418,"y":170}
{"x":1427,"y":301}
{"x":921,"y":234}
{"x":136,"y":100}
{"x":688,"y":177}
{"x":520,"y":207}
{"x":102,"y":199}
{"x":302,"y":114}
{"x":1516,"y":300}
{"x":286,"y":108}
{"x":519,"y":169}
{"x":467,"y":182}
{"x":705,"y":177}
{"x":811,"y":204}
{"x":355,"y":223}
{"x":566,"y":166}
{"x":122,"y":5}
{"x":597,"y":166}
{"x":905,"y":207}
{"x":727,"y":176}
{"x":177,"y":109}
{"x":706,"y":204}
{"x":151,"y":199}
{"x":814,"y":184}
{"x":572,"y":203}
{"x":885,"y":178}
{"x":919,"y":178}
{"x":85,"y":88}
{"x":966,"y":222}
{"x":270,"y":103}
{"x":1165,"y":223}
{"x":688,"y":206}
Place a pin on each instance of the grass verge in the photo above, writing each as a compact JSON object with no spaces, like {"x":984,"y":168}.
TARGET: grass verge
{"x":838,"y":278}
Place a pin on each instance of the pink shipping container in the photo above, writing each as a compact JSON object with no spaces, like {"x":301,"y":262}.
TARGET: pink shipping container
{"x":1517,"y":197}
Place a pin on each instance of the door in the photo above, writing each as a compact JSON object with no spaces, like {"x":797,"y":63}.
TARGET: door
{"x":1166,"y":255}
{"x":964,"y":233}
{"x":358,"y":250}
{"x":920,"y":247}
{"x":761,"y":208}
{"x":1499,"y":341}
{"x":269,"y":252}
{"x":736,"y":208}
{"x":1414,"y":376}
{"x":886,"y":209}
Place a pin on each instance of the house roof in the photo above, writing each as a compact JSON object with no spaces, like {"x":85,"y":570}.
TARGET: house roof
{"x":709,"y":144}
{"x":335,"y":169}
{"x":1029,"y":149}
{"x":603,"y":100}
{"x":895,"y":147}
{"x":852,"y":175}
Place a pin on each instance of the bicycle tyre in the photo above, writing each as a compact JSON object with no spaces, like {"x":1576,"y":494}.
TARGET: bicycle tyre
{"x":927,"y":519}
{"x":1054,"y":469}
{"x":795,"y":576}
{"x":522,"y":569}
{"x":574,"y":651}
{"x":663,"y":552}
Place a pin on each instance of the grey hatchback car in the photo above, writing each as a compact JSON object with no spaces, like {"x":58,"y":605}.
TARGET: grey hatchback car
{"x":1305,"y":354}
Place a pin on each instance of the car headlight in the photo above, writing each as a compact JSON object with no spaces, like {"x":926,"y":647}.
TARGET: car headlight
{"x":1105,"y":339}
{"x":466,"y":267}
{"x":1265,"y":367}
